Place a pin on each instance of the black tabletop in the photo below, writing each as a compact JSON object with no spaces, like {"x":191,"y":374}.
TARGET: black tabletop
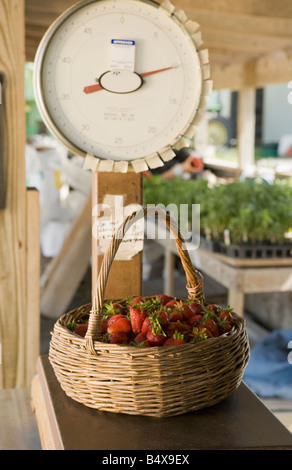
{"x":241,"y":421}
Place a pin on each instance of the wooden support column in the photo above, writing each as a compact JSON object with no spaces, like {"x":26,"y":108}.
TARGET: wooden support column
{"x":125,"y":278}
{"x":13,"y":233}
{"x":33,"y":270}
{"x":246,"y":126}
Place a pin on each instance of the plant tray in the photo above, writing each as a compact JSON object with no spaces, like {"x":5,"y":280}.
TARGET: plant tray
{"x":255,"y":251}
{"x":248,"y":251}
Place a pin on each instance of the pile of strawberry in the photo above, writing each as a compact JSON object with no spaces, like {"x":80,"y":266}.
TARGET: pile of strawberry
{"x":159,"y":321}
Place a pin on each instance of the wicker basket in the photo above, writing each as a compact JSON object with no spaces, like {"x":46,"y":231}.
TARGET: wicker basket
{"x":156,"y":381}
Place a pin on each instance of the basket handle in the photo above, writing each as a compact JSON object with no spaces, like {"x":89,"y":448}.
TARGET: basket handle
{"x":194,"y":278}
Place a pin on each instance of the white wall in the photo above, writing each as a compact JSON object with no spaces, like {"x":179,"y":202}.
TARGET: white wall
{"x":277,"y":113}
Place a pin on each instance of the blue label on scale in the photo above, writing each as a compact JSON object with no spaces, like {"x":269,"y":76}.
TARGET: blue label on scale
{"x":123,"y":55}
{"x":123,"y":42}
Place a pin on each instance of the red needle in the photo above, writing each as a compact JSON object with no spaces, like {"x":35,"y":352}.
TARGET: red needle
{"x":97,"y":86}
{"x":146,"y":74}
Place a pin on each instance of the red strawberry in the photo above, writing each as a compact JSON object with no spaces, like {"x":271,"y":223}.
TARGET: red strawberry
{"x":194,"y":320}
{"x":205,"y":331}
{"x":137,"y":317}
{"x":135,"y":301}
{"x":113,"y":308}
{"x":155,"y":339}
{"x":164,"y":299}
{"x":112,"y":319}
{"x":118,"y":337}
{"x":225,"y":321}
{"x":104,"y":325}
{"x":181,"y":327}
{"x":176,"y":340}
{"x":173,"y":305}
{"x":196,"y":308}
{"x":142,"y":340}
{"x":109,"y":312}
{"x":213,"y":308}
{"x":175,"y":315}
{"x":147,"y":325}
{"x":227,"y":315}
{"x":121,"y":325}
{"x":199,"y":333}
{"x":211,"y":325}
{"x":186,"y":311}
{"x":119,"y":308}
{"x":81,"y":329}
{"x":162,"y":318}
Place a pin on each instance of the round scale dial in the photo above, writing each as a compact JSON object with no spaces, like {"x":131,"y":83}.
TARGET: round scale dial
{"x":121,"y":81}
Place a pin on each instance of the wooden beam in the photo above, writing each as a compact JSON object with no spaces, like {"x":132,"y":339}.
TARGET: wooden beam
{"x":257,"y":74}
{"x":233,"y":40}
{"x":268,"y":8}
{"x":247,"y":24}
{"x":13,"y":217}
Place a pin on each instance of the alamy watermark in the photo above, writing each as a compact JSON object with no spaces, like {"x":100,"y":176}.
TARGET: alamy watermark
{"x":150,"y":222}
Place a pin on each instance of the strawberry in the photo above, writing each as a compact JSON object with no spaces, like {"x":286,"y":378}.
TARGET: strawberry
{"x":104,"y":325}
{"x":175,"y":340}
{"x":180,"y":327}
{"x":156,"y":321}
{"x":147,"y":324}
{"x":119,"y":308}
{"x":113,"y":308}
{"x":141,"y":340}
{"x":223,"y":326}
{"x":162,"y":317}
{"x":137,"y":317}
{"x":206,"y":332}
{"x":227,"y":316}
{"x":210,"y":325}
{"x":213,"y":308}
{"x":81,"y":329}
{"x":155,"y":339}
{"x":164,"y":299}
{"x":173,"y":305}
{"x":225,"y":321}
{"x":196,"y":308}
{"x":194,"y":320}
{"x":175,"y":315}
{"x":135,"y":301}
{"x":187,"y":312}
{"x":200,"y":333}
{"x":113,"y":318}
{"x":110,"y":310}
{"x":121,"y":325}
{"x":153,"y":326}
{"x":118,"y":337}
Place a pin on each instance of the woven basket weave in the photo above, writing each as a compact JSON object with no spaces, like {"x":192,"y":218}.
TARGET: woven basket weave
{"x":156,"y":381}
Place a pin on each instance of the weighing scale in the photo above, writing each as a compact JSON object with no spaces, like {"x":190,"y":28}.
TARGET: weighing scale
{"x":124,"y":84}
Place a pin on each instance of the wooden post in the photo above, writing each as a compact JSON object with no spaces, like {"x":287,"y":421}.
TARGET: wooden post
{"x":246,"y":127}
{"x":33,"y":268}
{"x":125,"y":278}
{"x":13,"y":256}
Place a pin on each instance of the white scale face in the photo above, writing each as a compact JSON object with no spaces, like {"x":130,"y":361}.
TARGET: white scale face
{"x":117,"y":79}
